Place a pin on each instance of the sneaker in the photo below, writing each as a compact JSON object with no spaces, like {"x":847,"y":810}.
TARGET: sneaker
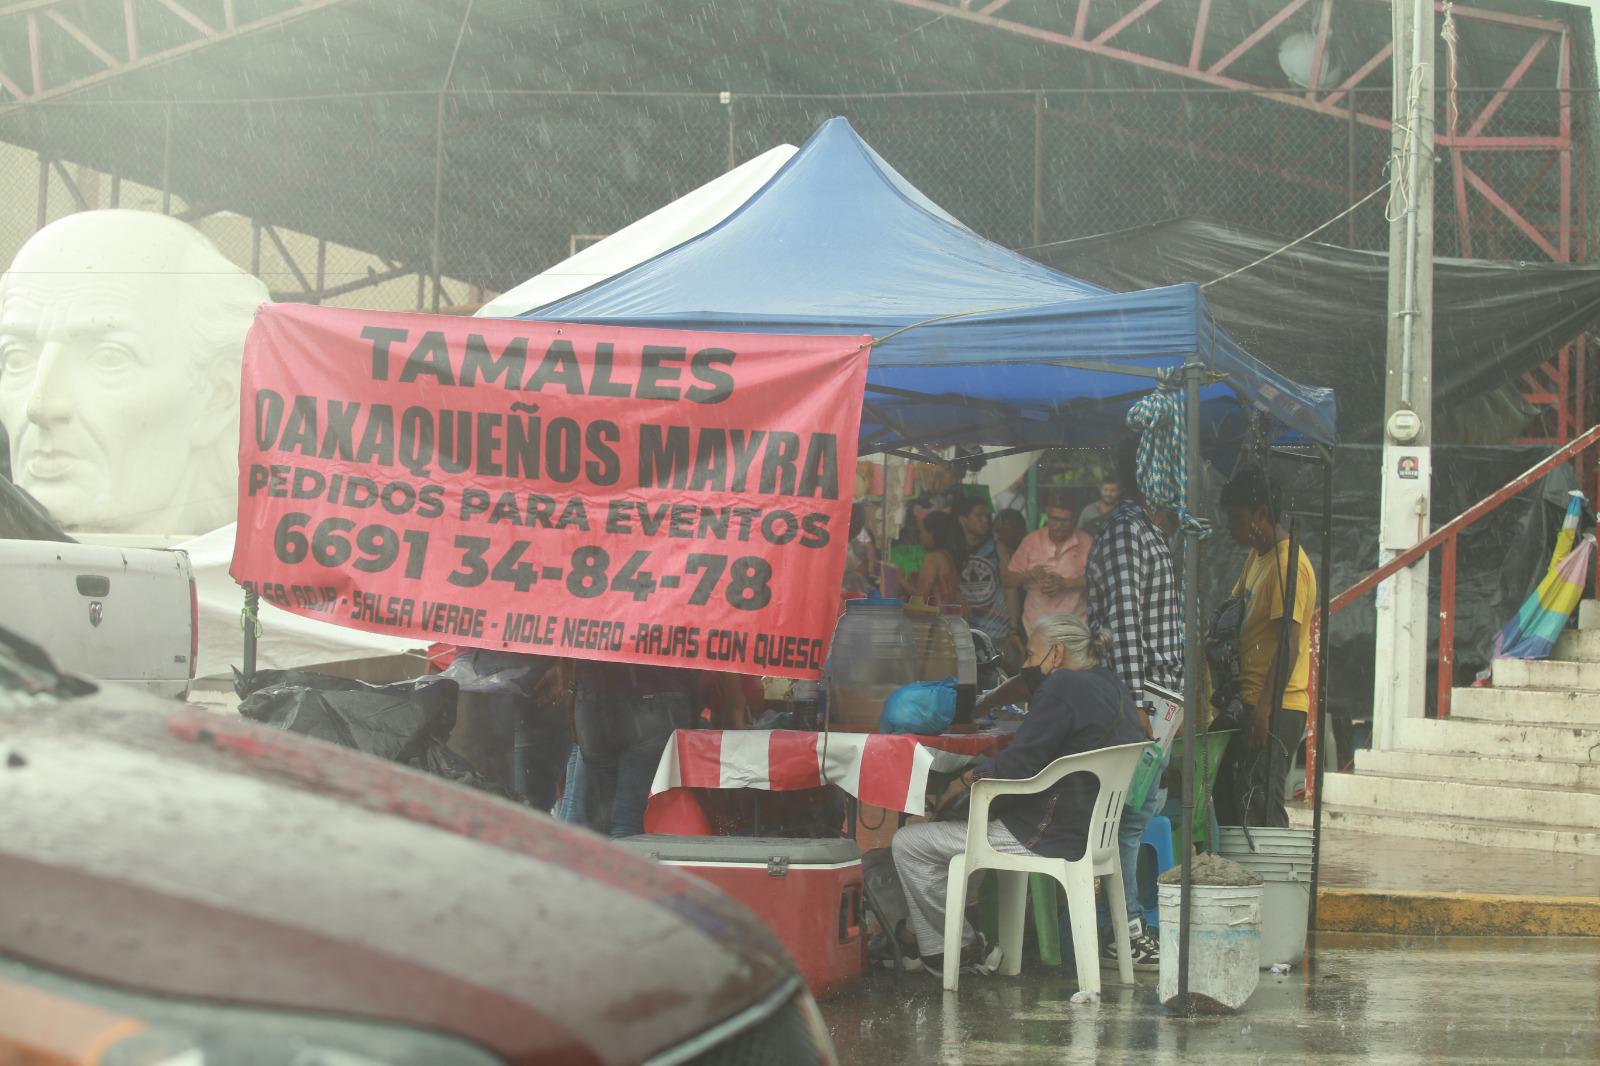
{"x":881,"y":952}
{"x":909,"y":963}
{"x":979,"y":957}
{"x":1145,"y":948}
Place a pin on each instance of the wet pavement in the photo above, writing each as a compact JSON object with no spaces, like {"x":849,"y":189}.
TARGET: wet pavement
{"x":1367,"y":999}
{"x":1371,"y":860}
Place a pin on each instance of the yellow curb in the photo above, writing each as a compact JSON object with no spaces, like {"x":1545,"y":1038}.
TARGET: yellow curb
{"x":1367,"y":910}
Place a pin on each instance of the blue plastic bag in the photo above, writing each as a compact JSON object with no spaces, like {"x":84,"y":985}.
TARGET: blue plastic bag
{"x":923,"y":707}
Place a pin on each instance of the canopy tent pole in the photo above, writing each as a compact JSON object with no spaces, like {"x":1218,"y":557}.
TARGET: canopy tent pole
{"x":1192,"y":373}
{"x":1316,"y":745}
{"x":1321,"y":734}
{"x":252,"y":633}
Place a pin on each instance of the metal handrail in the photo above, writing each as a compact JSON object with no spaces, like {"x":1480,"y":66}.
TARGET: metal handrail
{"x":1445,"y":537}
{"x":1472,"y":514}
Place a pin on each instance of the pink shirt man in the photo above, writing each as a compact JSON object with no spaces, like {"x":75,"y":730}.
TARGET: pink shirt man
{"x":1049,"y":564}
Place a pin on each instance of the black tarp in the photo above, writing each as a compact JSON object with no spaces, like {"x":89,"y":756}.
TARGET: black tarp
{"x":407,"y":722}
{"x":1317,"y":313}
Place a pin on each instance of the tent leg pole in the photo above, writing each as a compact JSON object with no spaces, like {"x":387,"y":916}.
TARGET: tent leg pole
{"x":1320,"y":769}
{"x":1191,"y":661}
{"x":252,"y":605}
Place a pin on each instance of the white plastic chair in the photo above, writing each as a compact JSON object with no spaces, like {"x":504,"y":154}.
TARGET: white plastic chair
{"x":1114,"y":767}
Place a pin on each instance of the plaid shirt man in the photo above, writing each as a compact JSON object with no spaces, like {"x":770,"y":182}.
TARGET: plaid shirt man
{"x":1133,"y":595}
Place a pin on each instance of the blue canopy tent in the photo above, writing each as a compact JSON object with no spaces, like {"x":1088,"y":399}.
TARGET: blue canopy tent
{"x":973,"y":343}
{"x":972,"y":338}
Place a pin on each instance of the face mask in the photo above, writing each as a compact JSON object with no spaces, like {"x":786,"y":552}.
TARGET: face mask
{"x":1032,"y":677}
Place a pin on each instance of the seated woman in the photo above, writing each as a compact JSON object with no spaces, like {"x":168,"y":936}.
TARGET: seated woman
{"x":1078,"y":705}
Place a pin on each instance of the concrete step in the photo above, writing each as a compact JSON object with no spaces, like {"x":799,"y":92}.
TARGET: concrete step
{"x":1459,"y":735}
{"x":1492,"y":834}
{"x":1578,"y":645}
{"x":1576,"y":707}
{"x":1441,"y":798}
{"x":1482,"y":769}
{"x":1589,"y":614}
{"x":1557,"y":674}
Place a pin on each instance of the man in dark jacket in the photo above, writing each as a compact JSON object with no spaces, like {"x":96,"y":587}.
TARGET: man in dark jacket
{"x":1077,"y":705}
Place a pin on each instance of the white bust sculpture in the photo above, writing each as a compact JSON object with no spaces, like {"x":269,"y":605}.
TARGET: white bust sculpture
{"x":121,"y":334}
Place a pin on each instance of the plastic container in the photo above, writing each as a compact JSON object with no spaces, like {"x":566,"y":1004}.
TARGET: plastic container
{"x":1289,"y":843}
{"x":1224,"y":944}
{"x":941,"y":647}
{"x":809,"y":892}
{"x":1284,"y":863}
{"x":872,"y":655}
{"x":1144,"y":776}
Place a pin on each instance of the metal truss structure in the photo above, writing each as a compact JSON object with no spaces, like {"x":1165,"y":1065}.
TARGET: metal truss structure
{"x":66,"y":46}
{"x":1538,"y":197}
{"x":1516,"y":188}
{"x":311,"y":282}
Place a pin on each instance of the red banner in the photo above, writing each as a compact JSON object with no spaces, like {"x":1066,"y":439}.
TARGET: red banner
{"x":633,"y":495}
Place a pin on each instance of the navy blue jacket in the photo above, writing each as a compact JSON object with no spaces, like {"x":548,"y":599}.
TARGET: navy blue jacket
{"x":1074,"y":711}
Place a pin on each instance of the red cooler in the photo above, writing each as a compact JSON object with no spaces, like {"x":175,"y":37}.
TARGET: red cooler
{"x":807,"y":891}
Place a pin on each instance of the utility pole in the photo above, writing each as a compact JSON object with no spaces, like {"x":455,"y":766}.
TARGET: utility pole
{"x":1401,"y":658}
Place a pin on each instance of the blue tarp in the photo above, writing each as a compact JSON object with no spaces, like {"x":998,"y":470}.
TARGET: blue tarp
{"x":977,"y":344}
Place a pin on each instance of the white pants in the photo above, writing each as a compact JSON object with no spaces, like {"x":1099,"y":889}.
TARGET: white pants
{"x":922,"y":855}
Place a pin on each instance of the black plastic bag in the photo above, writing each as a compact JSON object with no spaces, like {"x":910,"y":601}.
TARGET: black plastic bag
{"x":396,"y":721}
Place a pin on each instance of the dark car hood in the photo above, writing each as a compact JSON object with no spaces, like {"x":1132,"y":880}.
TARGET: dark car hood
{"x":197,"y":855}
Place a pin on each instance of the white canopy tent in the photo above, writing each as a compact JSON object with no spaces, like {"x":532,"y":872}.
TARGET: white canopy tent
{"x":287,"y":640}
{"x":684,"y":218}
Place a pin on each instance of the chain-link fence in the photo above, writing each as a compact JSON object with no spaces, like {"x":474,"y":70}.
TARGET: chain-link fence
{"x":410,"y":200}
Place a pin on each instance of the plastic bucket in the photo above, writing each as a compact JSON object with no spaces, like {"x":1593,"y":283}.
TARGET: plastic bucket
{"x":1284,"y":862}
{"x":1266,"y":841}
{"x":1224,"y":944}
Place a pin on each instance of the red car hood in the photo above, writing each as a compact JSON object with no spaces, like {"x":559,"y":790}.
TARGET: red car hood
{"x":196,"y":855}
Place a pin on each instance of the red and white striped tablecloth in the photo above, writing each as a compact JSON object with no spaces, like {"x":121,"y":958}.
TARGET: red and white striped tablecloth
{"x":882,"y":770}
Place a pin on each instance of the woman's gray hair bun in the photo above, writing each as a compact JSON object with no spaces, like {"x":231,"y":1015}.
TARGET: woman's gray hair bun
{"x":1088,"y":647}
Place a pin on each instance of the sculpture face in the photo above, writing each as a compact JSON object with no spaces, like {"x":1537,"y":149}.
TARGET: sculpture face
{"x":121,"y":412}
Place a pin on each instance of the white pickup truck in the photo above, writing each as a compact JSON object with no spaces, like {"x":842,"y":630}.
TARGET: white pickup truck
{"x":128,"y":615}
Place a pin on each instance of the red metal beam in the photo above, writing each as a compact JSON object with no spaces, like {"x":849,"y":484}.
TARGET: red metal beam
{"x":1504,"y":144}
{"x":200,"y":24}
{"x":1511,"y":81}
{"x":89,"y":44}
{"x":1124,"y":22}
{"x":1319,"y":53}
{"x":1257,"y":36}
{"x":1361,"y":74}
{"x":1163,"y":66}
{"x":1489,"y":193}
{"x":289,"y":260}
{"x":1202,"y":20}
{"x":1453,"y":112}
{"x":1534,"y":183}
{"x":42,"y":88}
{"x":1478,"y":14}
{"x":1564,"y":108}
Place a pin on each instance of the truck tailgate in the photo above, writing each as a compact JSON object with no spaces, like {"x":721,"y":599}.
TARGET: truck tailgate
{"x":113,"y":614}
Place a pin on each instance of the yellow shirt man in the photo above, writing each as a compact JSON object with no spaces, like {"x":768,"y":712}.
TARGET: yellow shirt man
{"x":1265,"y":584}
